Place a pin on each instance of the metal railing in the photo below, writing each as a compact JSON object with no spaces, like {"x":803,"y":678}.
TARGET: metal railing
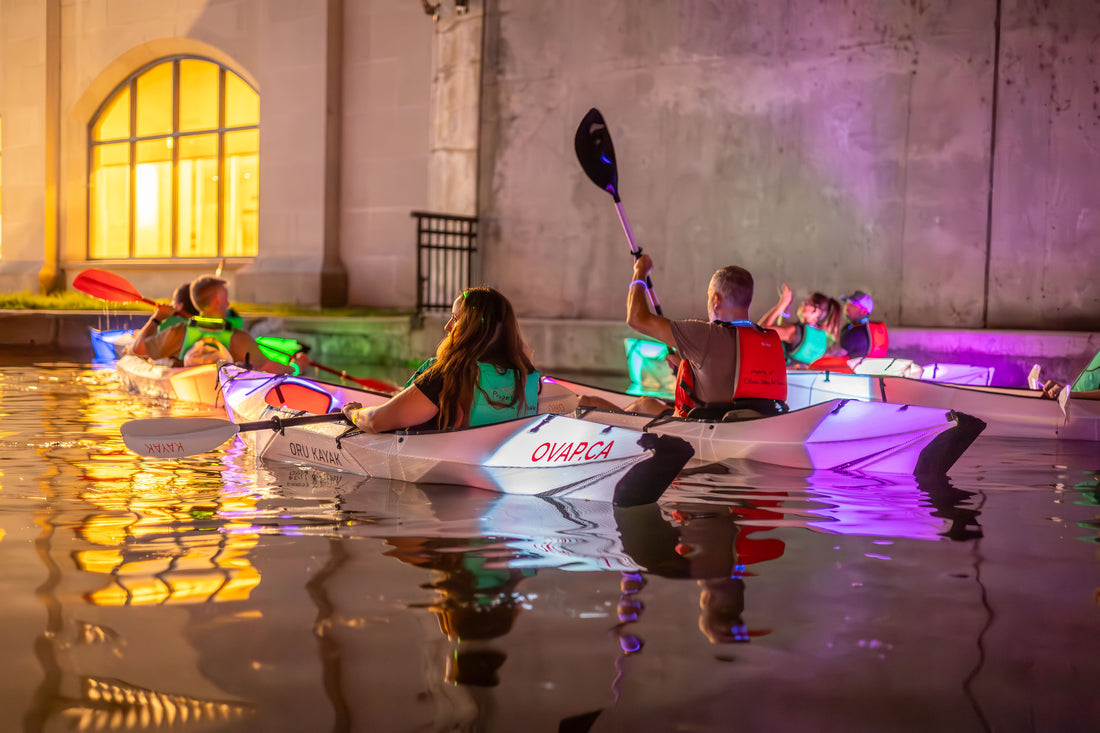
{"x":445,"y":246}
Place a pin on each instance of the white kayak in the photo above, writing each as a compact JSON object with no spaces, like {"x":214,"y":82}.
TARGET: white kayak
{"x":845,"y":435}
{"x":191,"y":384}
{"x":1007,"y":411}
{"x":546,"y":455}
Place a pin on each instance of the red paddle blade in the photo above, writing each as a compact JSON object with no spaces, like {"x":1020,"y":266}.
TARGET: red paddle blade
{"x":108,"y":286}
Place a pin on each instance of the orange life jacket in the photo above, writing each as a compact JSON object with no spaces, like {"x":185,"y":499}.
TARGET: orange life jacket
{"x":880,"y":340}
{"x":760,"y":371}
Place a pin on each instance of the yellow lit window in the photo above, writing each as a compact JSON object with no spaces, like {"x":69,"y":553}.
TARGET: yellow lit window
{"x":174,"y":159}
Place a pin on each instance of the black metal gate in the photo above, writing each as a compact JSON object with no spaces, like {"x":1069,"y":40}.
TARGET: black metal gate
{"x":445,"y":246}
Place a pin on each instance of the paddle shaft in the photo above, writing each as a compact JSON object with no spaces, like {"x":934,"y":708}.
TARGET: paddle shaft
{"x":637,"y":252}
{"x":289,"y":422}
{"x":375,"y":384}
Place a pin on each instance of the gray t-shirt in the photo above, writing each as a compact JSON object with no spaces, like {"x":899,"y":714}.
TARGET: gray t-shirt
{"x":711,"y":349}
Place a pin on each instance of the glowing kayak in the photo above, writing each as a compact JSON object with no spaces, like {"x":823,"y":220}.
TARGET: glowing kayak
{"x":547,"y":455}
{"x":846,"y":435}
{"x":110,"y":345}
{"x":1007,"y":411}
{"x":192,"y":384}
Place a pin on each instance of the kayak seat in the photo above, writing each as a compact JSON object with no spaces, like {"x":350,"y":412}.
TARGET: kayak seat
{"x":301,"y":396}
{"x":749,"y":408}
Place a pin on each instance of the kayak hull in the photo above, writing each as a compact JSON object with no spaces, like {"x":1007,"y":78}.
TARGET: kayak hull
{"x":544,"y":455}
{"x":191,"y":384}
{"x":109,"y":345}
{"x":1007,"y":412}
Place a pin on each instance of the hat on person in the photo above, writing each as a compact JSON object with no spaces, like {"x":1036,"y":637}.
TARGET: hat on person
{"x":860,"y":298}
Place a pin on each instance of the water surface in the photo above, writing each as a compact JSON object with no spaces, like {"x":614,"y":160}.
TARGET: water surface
{"x":222,"y":593}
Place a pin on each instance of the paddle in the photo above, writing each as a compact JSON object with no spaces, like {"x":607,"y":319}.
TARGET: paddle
{"x":176,"y":437}
{"x":376,"y":384}
{"x":596,"y":155}
{"x":108,"y":286}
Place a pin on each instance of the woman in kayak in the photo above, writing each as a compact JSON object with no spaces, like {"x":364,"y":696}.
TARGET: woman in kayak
{"x":481,"y":374}
{"x":815,"y":334}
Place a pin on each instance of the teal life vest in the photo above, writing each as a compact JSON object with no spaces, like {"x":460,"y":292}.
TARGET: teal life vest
{"x":419,"y":370}
{"x":1089,"y":379}
{"x":811,"y":346}
{"x":206,"y":329}
{"x":497,"y":386}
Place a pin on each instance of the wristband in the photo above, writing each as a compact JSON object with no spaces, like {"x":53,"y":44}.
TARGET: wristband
{"x":635,"y":282}
{"x":157,"y":320}
{"x":785,"y":315}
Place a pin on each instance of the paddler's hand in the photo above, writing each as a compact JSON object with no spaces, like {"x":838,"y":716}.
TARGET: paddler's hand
{"x":642,"y":267}
{"x":301,"y":360}
{"x":163,"y":311}
{"x":350,"y":410}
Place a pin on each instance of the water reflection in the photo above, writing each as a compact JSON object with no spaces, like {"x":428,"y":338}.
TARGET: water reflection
{"x":224,"y":593}
{"x":901,"y":507}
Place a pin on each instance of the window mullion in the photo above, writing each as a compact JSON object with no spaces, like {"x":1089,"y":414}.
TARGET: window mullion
{"x":175,"y":138}
{"x":221,"y":208}
{"x":132,"y":207}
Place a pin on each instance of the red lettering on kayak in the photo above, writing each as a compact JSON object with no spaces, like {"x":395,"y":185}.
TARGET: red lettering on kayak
{"x":564,"y":454}
{"x":164,"y":449}
{"x":551,"y":452}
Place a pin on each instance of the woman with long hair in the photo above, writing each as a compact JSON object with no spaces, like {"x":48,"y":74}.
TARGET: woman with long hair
{"x":818,"y":312}
{"x":481,"y":373}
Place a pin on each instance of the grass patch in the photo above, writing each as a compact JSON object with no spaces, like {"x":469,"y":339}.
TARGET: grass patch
{"x":77,"y":301}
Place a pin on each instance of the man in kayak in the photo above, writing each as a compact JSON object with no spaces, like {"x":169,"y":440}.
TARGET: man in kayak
{"x":726,"y":362}
{"x":207,"y":331}
{"x":481,"y":374}
{"x":862,"y":336}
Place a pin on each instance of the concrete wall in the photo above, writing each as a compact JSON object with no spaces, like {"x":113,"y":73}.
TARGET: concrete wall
{"x":23,"y":110}
{"x":831,"y":144}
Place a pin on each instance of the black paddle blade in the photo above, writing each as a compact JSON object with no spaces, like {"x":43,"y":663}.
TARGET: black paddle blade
{"x":596,"y":153}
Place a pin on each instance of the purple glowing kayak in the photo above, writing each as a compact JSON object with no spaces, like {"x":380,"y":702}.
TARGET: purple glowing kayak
{"x":846,"y":435}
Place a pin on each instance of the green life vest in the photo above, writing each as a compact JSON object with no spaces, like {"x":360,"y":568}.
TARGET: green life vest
{"x":499,"y":387}
{"x":234,"y":319}
{"x":1089,"y":379}
{"x":170,"y":321}
{"x":206,"y":329}
{"x":811,"y":347}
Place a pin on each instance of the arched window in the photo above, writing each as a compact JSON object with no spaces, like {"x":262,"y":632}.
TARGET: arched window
{"x":174,"y":165}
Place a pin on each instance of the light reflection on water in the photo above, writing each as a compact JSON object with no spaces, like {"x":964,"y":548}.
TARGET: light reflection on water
{"x":144,"y":594}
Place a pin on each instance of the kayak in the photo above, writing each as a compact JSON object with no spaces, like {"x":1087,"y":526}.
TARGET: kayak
{"x":1007,"y":411}
{"x":840,"y":434}
{"x":110,"y":345}
{"x":545,"y":455}
{"x":191,"y":384}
